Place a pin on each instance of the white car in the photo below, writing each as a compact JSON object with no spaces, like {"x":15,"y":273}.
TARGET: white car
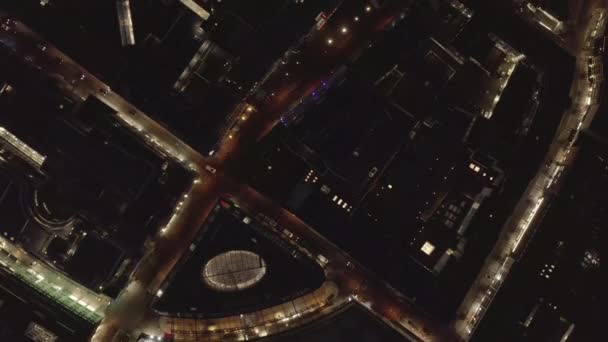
{"x":322,"y":260}
{"x":210,"y":169}
{"x":372,"y":172}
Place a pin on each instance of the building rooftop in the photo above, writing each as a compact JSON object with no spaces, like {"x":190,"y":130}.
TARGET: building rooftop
{"x":234,"y":271}
{"x":302,"y":170}
{"x":234,"y":266}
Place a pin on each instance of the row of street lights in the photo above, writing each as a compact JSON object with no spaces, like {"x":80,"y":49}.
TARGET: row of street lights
{"x":344,"y":29}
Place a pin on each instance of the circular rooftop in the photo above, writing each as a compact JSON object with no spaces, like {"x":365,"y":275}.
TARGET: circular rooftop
{"x":234,"y":271}
{"x":48,"y":205}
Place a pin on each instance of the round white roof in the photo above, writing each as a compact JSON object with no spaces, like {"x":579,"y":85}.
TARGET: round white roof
{"x":233,"y":271}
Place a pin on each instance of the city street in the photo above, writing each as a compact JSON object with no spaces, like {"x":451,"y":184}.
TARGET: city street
{"x":129,"y":310}
{"x":346,"y":279}
{"x":520,"y":226}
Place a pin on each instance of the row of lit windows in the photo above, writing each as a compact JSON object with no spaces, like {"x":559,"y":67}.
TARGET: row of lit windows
{"x":342,"y":203}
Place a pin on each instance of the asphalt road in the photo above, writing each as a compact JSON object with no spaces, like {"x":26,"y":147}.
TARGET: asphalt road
{"x":528,"y":212}
{"x":130,"y":310}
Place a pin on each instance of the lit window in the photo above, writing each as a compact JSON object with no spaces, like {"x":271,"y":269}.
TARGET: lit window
{"x":340,"y":201}
{"x":335,"y":198}
{"x":472,"y":166}
{"x":427,"y":248}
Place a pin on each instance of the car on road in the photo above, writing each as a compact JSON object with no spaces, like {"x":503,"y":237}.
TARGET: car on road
{"x":271,"y":222}
{"x":372,"y":172}
{"x":80,"y":78}
{"x":104,"y":91}
{"x":322,"y":260}
{"x":210,"y":169}
{"x":288,"y":233}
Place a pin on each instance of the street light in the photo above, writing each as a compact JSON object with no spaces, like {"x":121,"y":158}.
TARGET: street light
{"x":330,"y":41}
{"x":368,"y":9}
{"x":344,"y":30}
{"x":356,"y":18}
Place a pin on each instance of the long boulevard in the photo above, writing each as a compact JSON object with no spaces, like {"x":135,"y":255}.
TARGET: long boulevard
{"x":519,"y":228}
{"x":130,"y":309}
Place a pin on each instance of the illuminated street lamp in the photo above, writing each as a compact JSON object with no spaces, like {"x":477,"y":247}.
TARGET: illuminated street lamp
{"x":356,"y":18}
{"x":330,"y":41}
{"x":368,"y":9}
{"x":344,"y":30}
